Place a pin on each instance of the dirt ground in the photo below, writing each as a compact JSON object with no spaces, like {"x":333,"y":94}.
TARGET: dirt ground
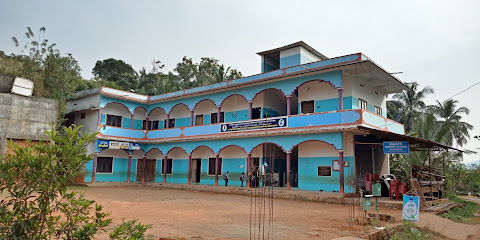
{"x":204,"y":215}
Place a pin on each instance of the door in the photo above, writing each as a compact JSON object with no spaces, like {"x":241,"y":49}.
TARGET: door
{"x":308,"y":107}
{"x":196,"y":169}
{"x":150,"y":168}
{"x":256,"y":113}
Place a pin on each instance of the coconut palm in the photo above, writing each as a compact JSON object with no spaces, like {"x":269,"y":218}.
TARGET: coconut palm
{"x":410,"y":103}
{"x":451,"y":116}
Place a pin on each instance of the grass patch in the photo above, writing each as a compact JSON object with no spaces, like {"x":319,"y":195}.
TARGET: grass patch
{"x":408,"y":230}
{"x":469,"y":213}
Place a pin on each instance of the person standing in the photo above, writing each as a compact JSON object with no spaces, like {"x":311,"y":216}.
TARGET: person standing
{"x":226,"y":177}
{"x":242,"y":178}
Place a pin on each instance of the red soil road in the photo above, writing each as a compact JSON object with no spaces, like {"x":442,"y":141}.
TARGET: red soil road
{"x":182,"y":214}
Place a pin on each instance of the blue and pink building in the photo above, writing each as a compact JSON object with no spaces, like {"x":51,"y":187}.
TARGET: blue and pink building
{"x":307,"y":117}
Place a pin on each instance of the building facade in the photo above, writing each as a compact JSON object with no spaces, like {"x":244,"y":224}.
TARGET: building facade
{"x":301,"y":119}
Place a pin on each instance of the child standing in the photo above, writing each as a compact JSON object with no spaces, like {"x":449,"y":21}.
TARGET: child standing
{"x":242,"y":178}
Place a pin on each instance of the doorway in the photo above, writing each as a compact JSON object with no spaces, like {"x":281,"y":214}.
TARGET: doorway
{"x":150,"y":168}
{"x":196,"y":169}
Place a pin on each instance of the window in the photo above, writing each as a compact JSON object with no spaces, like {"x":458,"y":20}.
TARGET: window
{"x":378,"y":110}
{"x":171,"y":123}
{"x":213,"y":117}
{"x":82,"y":116}
{"x":211,"y":166}
{"x":154,"y":124}
{"x":324,"y":171}
{"x":256,"y":113}
{"x":308,"y":107}
{"x":169,"y":166}
{"x":104,"y":165}
{"x":113,"y":120}
{"x":199,"y":119}
{"x":362,"y":103}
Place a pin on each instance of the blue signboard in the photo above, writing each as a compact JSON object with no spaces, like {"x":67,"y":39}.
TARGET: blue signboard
{"x":279,"y":122}
{"x":410,"y":208}
{"x":103,"y":143}
{"x":396,"y":148}
{"x":118,"y":145}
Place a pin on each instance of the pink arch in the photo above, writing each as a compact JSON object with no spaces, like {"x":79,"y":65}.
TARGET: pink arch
{"x":314,"y":140}
{"x":270,"y":143}
{"x":156,"y":108}
{"x":207,"y":99}
{"x":140,"y":107}
{"x":253,"y":99}
{"x":174,"y":148}
{"x":314,"y":80}
{"x":153,"y":149}
{"x":178,"y":105}
{"x":231,"y":145}
{"x":234,"y":95}
{"x":202,"y":146}
{"x":128,"y":109}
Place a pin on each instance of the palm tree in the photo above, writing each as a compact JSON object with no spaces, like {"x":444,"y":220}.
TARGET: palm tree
{"x":450,"y":116}
{"x":410,"y":103}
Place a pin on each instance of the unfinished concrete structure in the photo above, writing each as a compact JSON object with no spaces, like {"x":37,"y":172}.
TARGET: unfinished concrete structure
{"x":23,"y":118}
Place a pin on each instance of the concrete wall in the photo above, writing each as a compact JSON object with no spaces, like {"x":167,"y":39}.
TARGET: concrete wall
{"x":25,"y":117}
{"x":6,"y":83}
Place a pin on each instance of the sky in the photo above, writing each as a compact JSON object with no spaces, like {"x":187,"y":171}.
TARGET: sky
{"x":435,"y":43}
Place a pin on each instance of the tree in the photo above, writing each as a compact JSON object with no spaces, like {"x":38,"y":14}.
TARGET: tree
{"x":38,"y":203}
{"x":186,"y":71}
{"x":410,"y":103}
{"x":117,"y":71}
{"x":451,"y":117}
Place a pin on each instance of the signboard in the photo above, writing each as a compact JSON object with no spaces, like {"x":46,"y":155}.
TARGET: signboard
{"x":279,"y":122}
{"x":118,"y":145}
{"x":411,"y":208}
{"x":396,"y":148}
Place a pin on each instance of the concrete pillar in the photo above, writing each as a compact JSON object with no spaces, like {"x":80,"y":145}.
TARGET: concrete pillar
{"x":165,"y":169}
{"x":168,"y":121}
{"x":340,"y":99}
{"x":191,"y":117}
{"x":131,"y":120}
{"x":219,"y":111}
{"x":99,"y":117}
{"x":249,"y":160}
{"x":250,"y":110}
{"x":189,"y":175}
{"x":147,"y":126}
{"x":217,"y":159}
{"x":342,"y":179}
{"x":144,"y":161}
{"x":129,"y":167}
{"x":289,"y":105}
{"x":94,"y":170}
{"x":289,"y":168}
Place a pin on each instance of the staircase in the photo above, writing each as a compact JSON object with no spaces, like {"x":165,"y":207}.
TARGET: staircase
{"x":417,"y":190}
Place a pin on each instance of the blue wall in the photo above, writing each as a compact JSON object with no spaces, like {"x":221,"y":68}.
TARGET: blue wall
{"x":290,"y":61}
{"x":241,"y":115}
{"x":179,"y":171}
{"x":326,"y":105}
{"x":308,"y":178}
{"x":137,"y":124}
{"x":119,"y":171}
{"x":182,"y":122}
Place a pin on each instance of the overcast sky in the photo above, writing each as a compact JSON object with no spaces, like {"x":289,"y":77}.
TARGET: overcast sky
{"x":434,"y":43}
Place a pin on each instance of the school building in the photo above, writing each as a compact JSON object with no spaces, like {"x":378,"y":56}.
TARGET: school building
{"x":310,"y":118}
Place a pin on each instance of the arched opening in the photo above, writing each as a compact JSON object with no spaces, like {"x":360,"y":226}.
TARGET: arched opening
{"x":177,"y":166}
{"x":112,"y":165}
{"x":269,"y":165}
{"x":116,"y":115}
{"x":179,"y":116}
{"x":153,"y":170}
{"x":316,"y":96}
{"x":201,"y":169}
{"x":318,"y":167}
{"x":269,"y":103}
{"x":234,"y":108}
{"x":157,"y":118}
{"x":232,"y":159}
{"x":139,"y":117}
{"x":204,"y":111}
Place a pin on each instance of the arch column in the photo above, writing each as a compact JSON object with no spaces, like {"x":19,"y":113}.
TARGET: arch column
{"x":99,"y":117}
{"x":144,"y":160}
{"x":219,"y":111}
{"x":340,"y":99}
{"x":189,"y":175}
{"x":250,"y":110}
{"x":94,"y":170}
{"x":289,"y":164}
{"x":129,"y":167}
{"x":191,"y":117}
{"x":165,"y":168}
{"x":167,"y":124}
{"x":217,"y":158}
{"x":289,"y":105}
{"x":342,"y":179}
{"x":249,"y":160}
{"x":147,"y":126}
{"x":132,"y":116}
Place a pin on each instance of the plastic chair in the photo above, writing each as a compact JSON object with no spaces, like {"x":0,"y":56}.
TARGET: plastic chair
{"x":393,"y":189}
{"x":376,"y":177}
{"x":368,"y":183}
{"x":402,"y":189}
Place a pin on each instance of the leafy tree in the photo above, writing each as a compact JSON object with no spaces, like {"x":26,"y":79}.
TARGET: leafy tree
{"x":451,"y":117}
{"x":186,"y":71}
{"x":117,"y":71}
{"x":207,"y":71}
{"x":37,"y":202}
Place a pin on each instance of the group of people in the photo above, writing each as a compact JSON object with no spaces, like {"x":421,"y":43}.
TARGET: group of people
{"x":253,"y":174}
